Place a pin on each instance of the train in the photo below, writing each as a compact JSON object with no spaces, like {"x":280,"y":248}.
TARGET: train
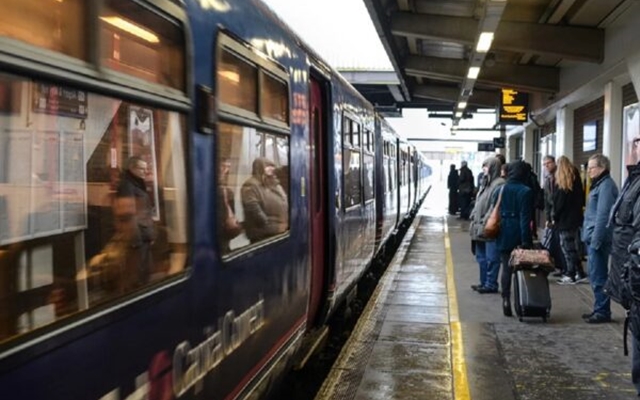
{"x":265,"y":186}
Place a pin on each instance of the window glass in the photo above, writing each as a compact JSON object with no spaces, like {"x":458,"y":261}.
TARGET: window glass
{"x":93,"y":202}
{"x":355,"y":134}
{"x":56,"y":25}
{"x":237,"y":82}
{"x":140,"y":43}
{"x":365,"y":140}
{"x":274,"y":99}
{"x":352,"y":179}
{"x":253,"y":182}
{"x":346,"y":131}
{"x":368,"y":177}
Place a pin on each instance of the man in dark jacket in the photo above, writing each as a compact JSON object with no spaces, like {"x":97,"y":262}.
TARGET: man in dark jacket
{"x":625,"y":220}
{"x":465,"y":189}
{"x":132,"y":185}
{"x":597,"y":236}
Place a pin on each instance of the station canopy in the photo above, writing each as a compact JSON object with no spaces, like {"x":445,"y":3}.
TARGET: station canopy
{"x":438,"y":49}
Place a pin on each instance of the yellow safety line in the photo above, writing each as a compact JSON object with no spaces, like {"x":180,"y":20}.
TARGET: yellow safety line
{"x":460,"y":380}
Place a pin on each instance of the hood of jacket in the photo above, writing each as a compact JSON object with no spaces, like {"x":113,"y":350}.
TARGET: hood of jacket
{"x":518,"y":171}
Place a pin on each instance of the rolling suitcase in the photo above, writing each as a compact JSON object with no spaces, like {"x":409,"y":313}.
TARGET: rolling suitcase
{"x":532,"y":297}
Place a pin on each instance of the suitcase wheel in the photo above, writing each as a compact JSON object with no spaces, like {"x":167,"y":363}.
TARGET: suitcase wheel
{"x":520,"y":319}
{"x":544,"y":319}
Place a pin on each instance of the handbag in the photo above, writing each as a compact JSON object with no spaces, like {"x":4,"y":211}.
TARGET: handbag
{"x":527,"y":259}
{"x":492,"y":226}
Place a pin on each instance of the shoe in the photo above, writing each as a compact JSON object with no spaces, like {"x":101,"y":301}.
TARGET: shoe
{"x":506,"y":307}
{"x":597,"y":319}
{"x":587,"y":315}
{"x":476,"y":287}
{"x":582,"y":279}
{"x":557,"y":274}
{"x":566,"y":280}
{"x":484,"y":290}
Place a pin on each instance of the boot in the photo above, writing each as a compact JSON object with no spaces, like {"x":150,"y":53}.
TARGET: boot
{"x":506,"y":307}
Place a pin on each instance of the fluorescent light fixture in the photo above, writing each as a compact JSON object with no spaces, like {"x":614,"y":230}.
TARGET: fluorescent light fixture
{"x":131,"y":28}
{"x":484,"y":42}
{"x":462,"y":105}
{"x":459,"y":114}
{"x":473,"y":72}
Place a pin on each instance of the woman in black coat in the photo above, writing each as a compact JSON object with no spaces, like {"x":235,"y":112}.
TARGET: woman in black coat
{"x":452,"y":185}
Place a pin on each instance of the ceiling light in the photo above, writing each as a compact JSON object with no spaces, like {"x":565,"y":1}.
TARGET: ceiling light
{"x":484,"y":42}
{"x":462,"y":105}
{"x":132,"y":28}
{"x":473,"y":72}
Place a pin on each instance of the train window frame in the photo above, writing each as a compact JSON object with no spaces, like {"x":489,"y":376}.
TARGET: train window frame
{"x":262,"y":125}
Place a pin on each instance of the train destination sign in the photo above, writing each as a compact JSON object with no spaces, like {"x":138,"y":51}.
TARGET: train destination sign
{"x":514,"y":107}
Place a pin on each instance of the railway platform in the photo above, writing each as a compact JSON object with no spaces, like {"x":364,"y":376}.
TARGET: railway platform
{"x":426,"y":335}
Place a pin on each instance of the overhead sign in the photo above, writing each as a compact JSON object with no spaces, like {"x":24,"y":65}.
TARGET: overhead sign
{"x":514,"y":107}
{"x":488,"y":146}
{"x":498,"y":142}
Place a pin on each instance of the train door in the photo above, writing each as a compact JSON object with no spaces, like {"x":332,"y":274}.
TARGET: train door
{"x":318,"y":195}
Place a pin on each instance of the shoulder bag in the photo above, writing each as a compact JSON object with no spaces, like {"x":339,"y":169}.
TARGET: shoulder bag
{"x":492,"y":226}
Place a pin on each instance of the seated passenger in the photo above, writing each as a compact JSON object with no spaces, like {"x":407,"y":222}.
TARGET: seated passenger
{"x":230,"y":227}
{"x":266,"y":208}
{"x":118,"y":268}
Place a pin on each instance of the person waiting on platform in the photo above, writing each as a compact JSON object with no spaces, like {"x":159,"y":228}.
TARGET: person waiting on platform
{"x":465,"y":190}
{"x":487,"y":254}
{"x":625,"y":254}
{"x":452,"y":185}
{"x":597,"y":235}
{"x":568,"y":201}
{"x":515,"y":213}
{"x":266,"y":208}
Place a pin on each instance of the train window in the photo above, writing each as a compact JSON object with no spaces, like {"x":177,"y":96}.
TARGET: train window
{"x":352,"y":180}
{"x":253,"y":182}
{"x":346,"y":131}
{"x":365,"y":140}
{"x":141,"y":43}
{"x":355,"y":134}
{"x":237,"y":82}
{"x":93,"y":201}
{"x":274,"y":99}
{"x":368,"y":177}
{"x":57,"y":25}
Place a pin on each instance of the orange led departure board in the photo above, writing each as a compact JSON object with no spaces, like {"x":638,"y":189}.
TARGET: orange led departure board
{"x":514,"y":107}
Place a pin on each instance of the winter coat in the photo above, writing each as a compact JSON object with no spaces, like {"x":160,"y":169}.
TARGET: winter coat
{"x":567,"y":206}
{"x":602,"y":196}
{"x":625,"y":220}
{"x":515,"y":209}
{"x":266,"y":208}
{"x":550,"y":188}
{"x":482,"y":208}
{"x":452,"y":180}
{"x":466,"y":181}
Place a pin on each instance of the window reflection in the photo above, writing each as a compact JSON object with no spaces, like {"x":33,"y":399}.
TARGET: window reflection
{"x":53,"y":25}
{"x":253,"y":186}
{"x":73,"y":234}
{"x":237,"y":82}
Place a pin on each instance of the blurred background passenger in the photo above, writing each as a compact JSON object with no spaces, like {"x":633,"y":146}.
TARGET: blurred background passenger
{"x":452,"y":185}
{"x":266,"y":208}
{"x":568,"y":200}
{"x":466,"y":188}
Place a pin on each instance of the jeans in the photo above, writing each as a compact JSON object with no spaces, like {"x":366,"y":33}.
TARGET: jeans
{"x":597,"y":264}
{"x":488,"y":259}
{"x":481,"y":258}
{"x":507,"y":272}
{"x":570,"y":244}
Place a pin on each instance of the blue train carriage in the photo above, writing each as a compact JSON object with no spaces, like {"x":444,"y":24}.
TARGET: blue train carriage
{"x":387,"y":188}
{"x":96,"y":283}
